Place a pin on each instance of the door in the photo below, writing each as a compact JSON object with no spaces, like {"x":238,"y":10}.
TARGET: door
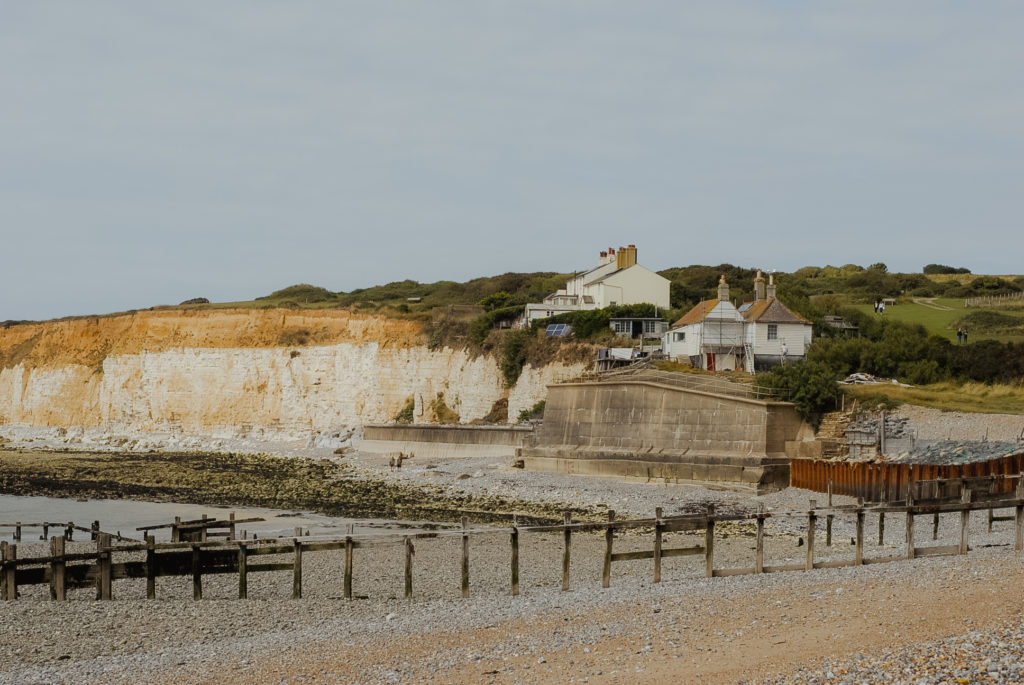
{"x":711,"y":361}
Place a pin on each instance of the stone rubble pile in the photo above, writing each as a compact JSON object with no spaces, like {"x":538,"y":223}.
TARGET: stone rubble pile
{"x":958,"y":451}
{"x":895,"y":426}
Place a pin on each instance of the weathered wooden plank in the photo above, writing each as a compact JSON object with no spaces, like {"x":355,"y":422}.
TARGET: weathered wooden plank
{"x":759,"y":544}
{"x":465,"y":558}
{"x":409,"y":552}
{"x":58,"y":581}
{"x":709,"y":542}
{"x":633,"y":556}
{"x":811,"y":520}
{"x":348,"y":568}
{"x":297,"y":572}
{"x":883,"y":560}
{"x":937,"y":551}
{"x":609,"y":541}
{"x":150,"y":567}
{"x":784,"y":568}
{"x":657,"y":545}
{"x":261,"y":568}
{"x":197,"y":574}
{"x":243,"y":572}
{"x":835,"y":564}
{"x":514,"y":541}
{"x":724,"y":572}
{"x":683,"y":552}
{"x":7,"y":579}
{"x":965,"y":520}
{"x":103,"y":586}
{"x":859,"y":554}
{"x":567,"y":541}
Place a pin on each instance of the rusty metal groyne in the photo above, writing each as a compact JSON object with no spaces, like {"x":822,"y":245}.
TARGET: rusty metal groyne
{"x":888,"y":482}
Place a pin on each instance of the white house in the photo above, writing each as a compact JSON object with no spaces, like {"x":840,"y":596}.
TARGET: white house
{"x":617,"y":279}
{"x":774,"y":333}
{"x":715,"y":335}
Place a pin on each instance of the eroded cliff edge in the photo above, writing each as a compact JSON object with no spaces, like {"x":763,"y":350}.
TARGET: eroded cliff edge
{"x":284,"y":369}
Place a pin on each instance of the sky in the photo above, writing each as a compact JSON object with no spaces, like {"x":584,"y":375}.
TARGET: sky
{"x":156,"y":152}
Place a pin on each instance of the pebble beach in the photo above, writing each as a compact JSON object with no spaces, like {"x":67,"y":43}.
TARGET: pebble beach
{"x":930,"y":620}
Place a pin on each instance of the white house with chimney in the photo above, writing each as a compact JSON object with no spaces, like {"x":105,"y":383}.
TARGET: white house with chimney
{"x":617,"y":279}
{"x":716,"y":335}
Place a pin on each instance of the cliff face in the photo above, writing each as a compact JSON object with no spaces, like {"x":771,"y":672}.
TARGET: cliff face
{"x":303,"y":370}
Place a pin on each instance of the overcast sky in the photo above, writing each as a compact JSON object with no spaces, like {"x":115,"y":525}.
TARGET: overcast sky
{"x":153,"y":152}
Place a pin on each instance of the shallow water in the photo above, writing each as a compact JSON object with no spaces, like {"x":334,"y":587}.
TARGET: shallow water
{"x":124,"y":516}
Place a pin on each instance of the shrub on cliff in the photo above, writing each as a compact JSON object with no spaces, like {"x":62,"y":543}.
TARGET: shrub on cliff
{"x":810,"y":386}
{"x":406,"y":414}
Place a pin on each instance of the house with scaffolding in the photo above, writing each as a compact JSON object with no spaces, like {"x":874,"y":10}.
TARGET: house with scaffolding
{"x":717,"y":336}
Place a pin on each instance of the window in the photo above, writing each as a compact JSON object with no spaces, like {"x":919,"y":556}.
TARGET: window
{"x":680,"y":336}
{"x":650,"y":327}
{"x":622,"y":326}
{"x":773,"y":331}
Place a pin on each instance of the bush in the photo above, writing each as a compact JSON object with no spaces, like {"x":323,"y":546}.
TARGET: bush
{"x":513,"y":355}
{"x":301,"y":293}
{"x":943,"y":269}
{"x":810,"y":386}
{"x":406,"y":414}
{"x":534,"y":412}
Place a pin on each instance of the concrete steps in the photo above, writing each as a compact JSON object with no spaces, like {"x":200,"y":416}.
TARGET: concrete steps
{"x":832,"y":434}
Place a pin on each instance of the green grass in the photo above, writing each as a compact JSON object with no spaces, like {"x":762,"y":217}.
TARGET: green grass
{"x":942,"y":321}
{"x":967,"y":397}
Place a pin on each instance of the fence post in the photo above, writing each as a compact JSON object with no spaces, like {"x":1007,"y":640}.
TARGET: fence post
{"x":17,"y":531}
{"x":935,"y":526}
{"x":1019,"y":518}
{"x":10,"y":578}
{"x":150,"y":567}
{"x":828,"y":517}
{"x":58,"y":583}
{"x":243,"y":571}
{"x":811,"y":520}
{"x":881,"y":527}
{"x":657,"y":544}
{"x":409,"y":551}
{"x":514,"y":539}
{"x":297,"y":572}
{"x":609,"y":537}
{"x":567,"y":534}
{"x":910,"y":524}
{"x":231,"y":526}
{"x":197,"y":574}
{"x":94,"y":530}
{"x":965,"y":519}
{"x":465,"y":558}
{"x":709,"y":542}
{"x":759,"y":550}
{"x":860,"y":532}
{"x":348,"y":566}
{"x":103,"y":589}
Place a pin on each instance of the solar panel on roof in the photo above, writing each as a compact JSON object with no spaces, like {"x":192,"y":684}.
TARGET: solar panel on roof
{"x":558,"y":330}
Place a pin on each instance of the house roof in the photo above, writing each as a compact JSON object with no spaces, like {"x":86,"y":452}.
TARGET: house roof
{"x":771,"y":311}
{"x":698,"y":313}
{"x":603,"y":276}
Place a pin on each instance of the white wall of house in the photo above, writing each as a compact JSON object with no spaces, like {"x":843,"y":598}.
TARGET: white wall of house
{"x":634,"y":285}
{"x":796,"y":336}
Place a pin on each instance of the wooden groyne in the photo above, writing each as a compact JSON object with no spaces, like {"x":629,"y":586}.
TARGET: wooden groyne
{"x":150,"y":560}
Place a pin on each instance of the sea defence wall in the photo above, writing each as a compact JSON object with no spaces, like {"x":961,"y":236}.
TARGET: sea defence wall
{"x":642,"y":429}
{"x":441,"y":441}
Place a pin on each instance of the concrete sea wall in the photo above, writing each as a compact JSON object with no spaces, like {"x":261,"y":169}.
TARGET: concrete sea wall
{"x":646,"y":430}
